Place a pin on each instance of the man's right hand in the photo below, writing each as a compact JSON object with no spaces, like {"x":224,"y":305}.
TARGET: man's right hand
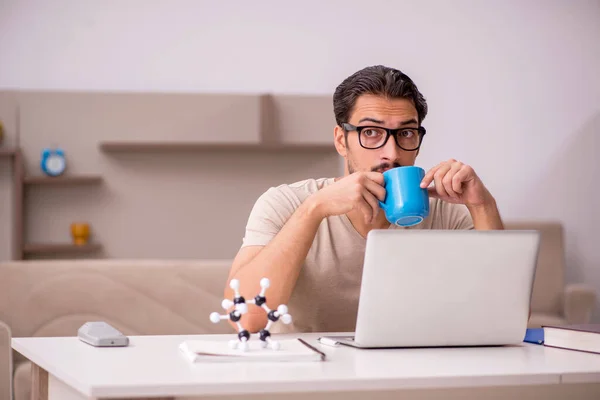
{"x":359,"y":191}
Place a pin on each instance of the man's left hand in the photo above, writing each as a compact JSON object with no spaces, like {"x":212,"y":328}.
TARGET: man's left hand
{"x":457,"y":183}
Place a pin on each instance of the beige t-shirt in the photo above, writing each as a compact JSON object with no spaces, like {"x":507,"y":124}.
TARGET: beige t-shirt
{"x":325,"y":298}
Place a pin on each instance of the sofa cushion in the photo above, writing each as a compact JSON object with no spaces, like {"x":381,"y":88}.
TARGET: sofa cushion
{"x":549,"y":282}
{"x":138,"y":297}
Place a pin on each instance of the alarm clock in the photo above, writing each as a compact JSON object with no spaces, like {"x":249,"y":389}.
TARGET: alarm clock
{"x":53,"y":162}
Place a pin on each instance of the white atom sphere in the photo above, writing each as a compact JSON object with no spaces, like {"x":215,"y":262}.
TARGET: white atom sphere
{"x":226,"y":304}
{"x":275,"y":345}
{"x":215,"y":317}
{"x":234,"y":284}
{"x":243,"y":346}
{"x":282,"y":309}
{"x":286,"y":319}
{"x":242,"y":308}
{"x":265,"y":283}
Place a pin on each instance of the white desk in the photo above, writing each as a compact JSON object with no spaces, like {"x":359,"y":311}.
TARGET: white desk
{"x":152,"y":366}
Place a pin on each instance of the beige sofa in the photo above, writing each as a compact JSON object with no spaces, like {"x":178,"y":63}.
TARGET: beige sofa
{"x":54,"y":298}
{"x":138,"y":297}
{"x":553,"y":301}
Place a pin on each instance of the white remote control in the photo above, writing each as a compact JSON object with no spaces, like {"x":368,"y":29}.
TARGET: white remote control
{"x":101,"y":334}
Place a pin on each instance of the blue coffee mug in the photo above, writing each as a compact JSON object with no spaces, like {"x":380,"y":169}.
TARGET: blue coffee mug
{"x":406,"y":203}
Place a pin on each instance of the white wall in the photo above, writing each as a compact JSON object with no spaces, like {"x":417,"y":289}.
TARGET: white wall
{"x":513,"y":86}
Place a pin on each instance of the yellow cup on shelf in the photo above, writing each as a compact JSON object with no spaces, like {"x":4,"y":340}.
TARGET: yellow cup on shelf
{"x":80,"y":232}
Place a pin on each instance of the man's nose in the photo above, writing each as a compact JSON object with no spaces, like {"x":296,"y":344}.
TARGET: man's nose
{"x":390,"y":150}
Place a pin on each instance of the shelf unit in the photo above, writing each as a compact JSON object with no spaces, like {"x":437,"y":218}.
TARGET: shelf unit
{"x":153,"y":123}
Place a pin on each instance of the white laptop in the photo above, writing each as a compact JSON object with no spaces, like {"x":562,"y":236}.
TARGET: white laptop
{"x":432,"y":288}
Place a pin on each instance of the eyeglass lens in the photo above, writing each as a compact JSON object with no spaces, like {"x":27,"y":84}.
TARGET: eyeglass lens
{"x":373,"y":137}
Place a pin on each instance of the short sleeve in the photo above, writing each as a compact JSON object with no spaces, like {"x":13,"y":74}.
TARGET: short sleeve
{"x":458,"y":217}
{"x":269,"y":214}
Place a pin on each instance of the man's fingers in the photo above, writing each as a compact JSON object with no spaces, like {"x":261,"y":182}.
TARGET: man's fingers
{"x":377,"y":190}
{"x":373,"y":203}
{"x":457,"y":181}
{"x":433,"y":192}
{"x":375,"y":177}
{"x":366,"y":209}
{"x":438,"y":180}
{"x":428,"y":178}
{"x":448,"y":182}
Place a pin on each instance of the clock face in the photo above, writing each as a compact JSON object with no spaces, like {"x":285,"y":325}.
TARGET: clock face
{"x":55,"y":164}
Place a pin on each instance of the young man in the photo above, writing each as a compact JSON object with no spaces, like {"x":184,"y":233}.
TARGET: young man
{"x":309,"y":237}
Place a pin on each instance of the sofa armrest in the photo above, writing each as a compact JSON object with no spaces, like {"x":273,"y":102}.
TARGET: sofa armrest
{"x":579,"y":301}
{"x":6,"y":369}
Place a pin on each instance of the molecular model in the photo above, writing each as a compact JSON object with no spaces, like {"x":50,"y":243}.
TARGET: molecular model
{"x":241,"y":308}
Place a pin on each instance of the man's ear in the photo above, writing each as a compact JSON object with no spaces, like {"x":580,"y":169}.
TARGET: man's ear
{"x":339,"y":140}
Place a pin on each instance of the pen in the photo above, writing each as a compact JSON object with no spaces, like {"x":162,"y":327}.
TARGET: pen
{"x":323,"y":356}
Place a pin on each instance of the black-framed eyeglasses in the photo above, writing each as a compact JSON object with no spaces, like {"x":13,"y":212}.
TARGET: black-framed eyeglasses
{"x":374,"y":137}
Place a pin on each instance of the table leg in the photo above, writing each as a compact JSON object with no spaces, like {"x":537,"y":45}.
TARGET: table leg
{"x":39,"y":383}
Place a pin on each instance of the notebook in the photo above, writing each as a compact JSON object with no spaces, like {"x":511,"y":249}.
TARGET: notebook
{"x":219,"y":351}
{"x":534,"y":335}
{"x":581,"y":337}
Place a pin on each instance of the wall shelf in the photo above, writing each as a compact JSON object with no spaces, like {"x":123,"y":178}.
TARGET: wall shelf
{"x":138,"y":146}
{"x":63,"y":180}
{"x":7,"y":151}
{"x":66,"y":248}
{"x":264,"y":127}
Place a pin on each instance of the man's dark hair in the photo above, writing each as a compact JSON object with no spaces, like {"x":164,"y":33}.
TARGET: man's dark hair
{"x":376,"y":80}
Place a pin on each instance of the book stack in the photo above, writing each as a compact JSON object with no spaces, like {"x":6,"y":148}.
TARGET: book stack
{"x":581,"y":337}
